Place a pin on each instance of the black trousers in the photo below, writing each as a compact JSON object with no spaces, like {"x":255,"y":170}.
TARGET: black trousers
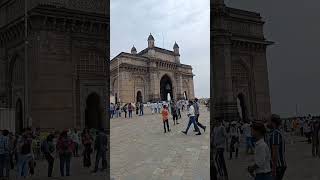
{"x":221,"y":163}
{"x":198,"y":123}
{"x":50,"y":161}
{"x":175,"y":118}
{"x":280,"y":173}
{"x":164,"y":125}
{"x":87,"y":155}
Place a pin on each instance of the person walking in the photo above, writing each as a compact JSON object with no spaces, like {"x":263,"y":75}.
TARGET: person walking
{"x":197,"y":114}
{"x":174,"y":114}
{"x":87,"y":144}
{"x":124,"y":108}
{"x":191,"y":115}
{"x":4,"y":154}
{"x":130,"y":109}
{"x":219,"y":145}
{"x":234,"y":142}
{"x":65,"y":149}
{"x":158,"y":107}
{"x":165,"y":118}
{"x":261,"y":166}
{"x":101,"y":147}
{"x":246,"y":128}
{"x":277,"y":148}
{"x":76,"y":140}
{"x":111,"y":110}
{"x":25,"y":155}
{"x":141,"y":108}
{"x":307,"y":130}
{"x":137,"y":108}
{"x":48,"y":150}
{"x":315,"y":138}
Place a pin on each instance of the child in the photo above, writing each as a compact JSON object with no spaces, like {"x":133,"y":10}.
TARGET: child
{"x":262,"y":156}
{"x":165,"y":118}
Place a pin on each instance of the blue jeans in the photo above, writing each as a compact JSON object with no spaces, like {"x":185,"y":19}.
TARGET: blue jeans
{"x":263,"y":176}
{"x":130,"y":114}
{"x":65,"y":161}
{"x":249,"y":142}
{"x":192,"y":120}
{"x":4,"y":164}
{"x":23,"y":164}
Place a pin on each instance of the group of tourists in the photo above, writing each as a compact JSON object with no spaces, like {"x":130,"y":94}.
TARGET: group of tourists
{"x":116,"y":110}
{"x":265,"y":141}
{"x":21,"y":152}
{"x":175,"y":108}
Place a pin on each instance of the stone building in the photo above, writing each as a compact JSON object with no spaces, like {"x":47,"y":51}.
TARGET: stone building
{"x":239,"y":64}
{"x":59,"y":80}
{"x":153,"y":74}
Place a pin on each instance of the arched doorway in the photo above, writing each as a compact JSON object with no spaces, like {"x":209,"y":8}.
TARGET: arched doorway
{"x":242,"y":109}
{"x":166,"y":88}
{"x":19,"y":116}
{"x":139,"y":97}
{"x":93,"y":113}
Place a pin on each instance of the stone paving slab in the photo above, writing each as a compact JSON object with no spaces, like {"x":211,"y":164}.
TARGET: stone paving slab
{"x":140,"y":149}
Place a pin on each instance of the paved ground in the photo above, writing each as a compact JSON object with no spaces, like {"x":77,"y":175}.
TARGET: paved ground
{"x":141,"y":151}
{"x":301,"y":164}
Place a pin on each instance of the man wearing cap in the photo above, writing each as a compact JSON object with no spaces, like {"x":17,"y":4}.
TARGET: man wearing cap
{"x":277,"y":147}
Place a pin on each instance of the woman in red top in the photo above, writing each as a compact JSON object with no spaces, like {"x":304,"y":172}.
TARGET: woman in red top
{"x":165,"y":118}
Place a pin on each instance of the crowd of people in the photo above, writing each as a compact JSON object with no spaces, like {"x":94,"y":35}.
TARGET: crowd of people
{"x":20,"y":152}
{"x":127,"y":110}
{"x":264,"y":140}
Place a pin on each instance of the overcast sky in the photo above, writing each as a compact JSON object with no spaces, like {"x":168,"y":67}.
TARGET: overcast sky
{"x":294,"y":61}
{"x":184,"y":21}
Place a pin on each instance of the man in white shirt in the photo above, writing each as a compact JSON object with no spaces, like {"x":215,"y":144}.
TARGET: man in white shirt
{"x":262,"y":157}
{"x":247,"y":133}
{"x":192,"y":120}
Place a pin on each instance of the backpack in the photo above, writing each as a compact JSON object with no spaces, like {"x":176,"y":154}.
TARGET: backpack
{"x":26,"y":147}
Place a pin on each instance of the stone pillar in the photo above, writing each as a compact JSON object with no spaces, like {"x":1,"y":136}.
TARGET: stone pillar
{"x":179,"y":87}
{"x":225,"y":105}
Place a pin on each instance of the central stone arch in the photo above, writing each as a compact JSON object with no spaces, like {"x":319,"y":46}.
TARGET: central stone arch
{"x":166,"y":88}
{"x":93,"y":113}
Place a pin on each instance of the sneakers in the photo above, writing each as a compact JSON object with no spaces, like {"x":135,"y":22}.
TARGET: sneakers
{"x":198,"y":134}
{"x":184,"y":132}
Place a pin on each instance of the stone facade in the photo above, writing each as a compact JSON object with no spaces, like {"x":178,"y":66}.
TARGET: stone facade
{"x":66,"y":60}
{"x":239,"y":64}
{"x":154,"y":72}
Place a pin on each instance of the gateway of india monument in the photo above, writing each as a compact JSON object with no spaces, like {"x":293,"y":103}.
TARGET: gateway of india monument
{"x":153,"y":74}
{"x":239,"y":64}
{"x":54,"y":63}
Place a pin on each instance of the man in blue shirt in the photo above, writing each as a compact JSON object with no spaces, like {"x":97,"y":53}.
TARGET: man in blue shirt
{"x":277,"y":147}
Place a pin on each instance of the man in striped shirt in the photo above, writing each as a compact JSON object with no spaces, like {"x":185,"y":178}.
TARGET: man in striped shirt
{"x":277,"y":147}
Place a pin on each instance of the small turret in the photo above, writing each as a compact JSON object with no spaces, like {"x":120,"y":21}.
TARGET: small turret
{"x":133,"y":50}
{"x":150,"y":41}
{"x":176,"y":48}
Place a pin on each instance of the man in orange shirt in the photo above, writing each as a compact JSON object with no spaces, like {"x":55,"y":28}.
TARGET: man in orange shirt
{"x":165,"y":118}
